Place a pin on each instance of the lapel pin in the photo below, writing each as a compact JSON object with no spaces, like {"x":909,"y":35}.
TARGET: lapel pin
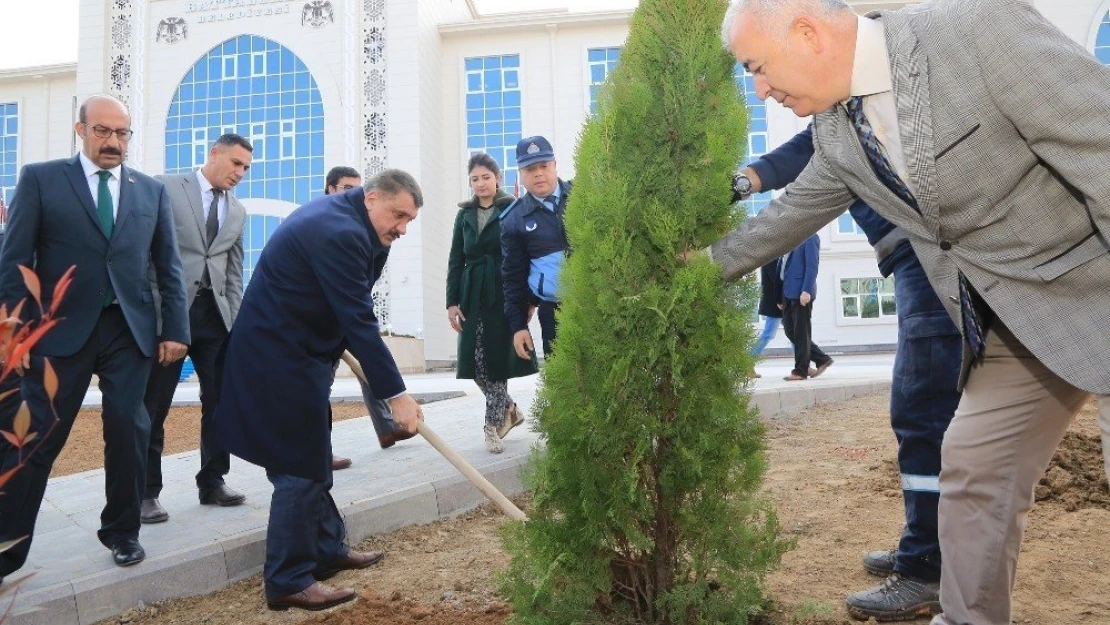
{"x":131,"y":179}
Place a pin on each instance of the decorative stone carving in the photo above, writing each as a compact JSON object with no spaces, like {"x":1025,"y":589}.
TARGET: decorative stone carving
{"x":374,"y":149}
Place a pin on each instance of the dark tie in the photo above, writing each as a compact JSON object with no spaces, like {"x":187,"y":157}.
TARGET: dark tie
{"x":104,"y":210}
{"x":551,"y":202}
{"x":211,"y":229}
{"x":974,"y":328}
{"x":212,"y":224}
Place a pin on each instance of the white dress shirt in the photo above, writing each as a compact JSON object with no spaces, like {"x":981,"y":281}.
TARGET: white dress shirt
{"x":871,"y":79}
{"x":206,"y":200}
{"x":92,"y":176}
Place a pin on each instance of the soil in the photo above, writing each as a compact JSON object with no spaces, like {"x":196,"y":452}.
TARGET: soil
{"x":84,"y":450}
{"x":836,"y":488}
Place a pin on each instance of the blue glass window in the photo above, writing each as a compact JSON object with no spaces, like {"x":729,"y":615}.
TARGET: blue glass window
{"x":757,"y":133}
{"x":492,"y":97}
{"x":1102,"y":41}
{"x":9,"y":152}
{"x":249,"y":85}
{"x":600,"y":62}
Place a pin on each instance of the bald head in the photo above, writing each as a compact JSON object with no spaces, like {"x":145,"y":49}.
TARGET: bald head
{"x":800,"y":52}
{"x":104,"y":126}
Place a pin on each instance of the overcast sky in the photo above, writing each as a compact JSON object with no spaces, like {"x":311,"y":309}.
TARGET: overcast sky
{"x":44,"y":32}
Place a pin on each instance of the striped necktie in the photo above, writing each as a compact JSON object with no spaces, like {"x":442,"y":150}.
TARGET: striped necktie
{"x":970,"y":302}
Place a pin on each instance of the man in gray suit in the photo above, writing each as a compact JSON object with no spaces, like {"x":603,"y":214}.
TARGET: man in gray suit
{"x":210,"y":225}
{"x":931,"y":115}
{"x":112,"y":223}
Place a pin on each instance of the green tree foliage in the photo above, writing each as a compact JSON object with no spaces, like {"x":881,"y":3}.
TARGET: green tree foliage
{"x":646,"y":496}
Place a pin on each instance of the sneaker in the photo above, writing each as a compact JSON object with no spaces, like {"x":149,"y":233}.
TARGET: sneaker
{"x":493,"y":441}
{"x":898,"y":598}
{"x":513,"y":418}
{"x":880,"y":563}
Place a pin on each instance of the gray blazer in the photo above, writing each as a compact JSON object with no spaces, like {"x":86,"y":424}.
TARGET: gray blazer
{"x":224,"y":259}
{"x":1005,"y":124}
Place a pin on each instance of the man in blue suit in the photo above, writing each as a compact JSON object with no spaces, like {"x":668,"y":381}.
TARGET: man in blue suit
{"x":799,"y":290}
{"x":309,"y":300}
{"x":923,"y":397}
{"x":112,"y":223}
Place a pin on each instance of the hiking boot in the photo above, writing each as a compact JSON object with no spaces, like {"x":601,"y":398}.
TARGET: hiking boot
{"x":493,"y":441}
{"x":898,"y":598}
{"x":880,"y":563}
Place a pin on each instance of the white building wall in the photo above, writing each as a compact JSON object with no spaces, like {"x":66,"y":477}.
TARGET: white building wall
{"x":46,"y":112}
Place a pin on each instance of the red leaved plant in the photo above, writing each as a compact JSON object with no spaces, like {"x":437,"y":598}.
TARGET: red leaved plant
{"x":17,"y":338}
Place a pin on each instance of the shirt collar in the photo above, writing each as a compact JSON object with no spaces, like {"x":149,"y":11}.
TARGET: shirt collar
{"x":557,"y":193}
{"x":871,"y":67}
{"x":205,"y":186}
{"x":90,"y":167}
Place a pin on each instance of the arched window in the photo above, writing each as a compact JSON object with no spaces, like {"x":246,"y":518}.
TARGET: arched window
{"x":259,"y":89}
{"x":1102,"y":40}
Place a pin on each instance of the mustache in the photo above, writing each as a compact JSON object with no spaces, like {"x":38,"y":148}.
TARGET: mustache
{"x":110,"y":150}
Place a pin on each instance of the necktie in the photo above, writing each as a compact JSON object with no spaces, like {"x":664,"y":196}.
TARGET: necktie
{"x":211,"y":229}
{"x":974,"y":328}
{"x":551,"y":202}
{"x":212,"y":224}
{"x":105,"y":211}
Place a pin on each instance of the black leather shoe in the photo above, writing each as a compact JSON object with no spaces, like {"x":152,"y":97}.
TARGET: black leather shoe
{"x":898,"y":598}
{"x":388,"y":440}
{"x":880,"y":563}
{"x":127,"y":551}
{"x":221,"y":496}
{"x":150,"y":511}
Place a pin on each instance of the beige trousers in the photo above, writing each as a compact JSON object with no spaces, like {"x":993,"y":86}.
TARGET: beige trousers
{"x":1013,"y":415}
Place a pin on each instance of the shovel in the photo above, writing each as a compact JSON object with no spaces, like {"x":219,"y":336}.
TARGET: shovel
{"x":470,"y":473}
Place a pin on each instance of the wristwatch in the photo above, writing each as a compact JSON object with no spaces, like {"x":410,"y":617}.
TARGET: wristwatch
{"x":741,"y":187}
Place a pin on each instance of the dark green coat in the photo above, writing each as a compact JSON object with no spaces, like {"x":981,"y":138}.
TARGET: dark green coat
{"x":474,"y":285}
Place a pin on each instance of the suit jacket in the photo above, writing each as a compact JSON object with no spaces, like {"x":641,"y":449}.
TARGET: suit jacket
{"x":54,"y":225}
{"x":770,"y":289}
{"x":1013,"y":192}
{"x":309,"y":300}
{"x":800,"y":273}
{"x":224,"y":258}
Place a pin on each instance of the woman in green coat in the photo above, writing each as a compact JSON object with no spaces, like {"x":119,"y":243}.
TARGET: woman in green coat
{"x":475,"y":301}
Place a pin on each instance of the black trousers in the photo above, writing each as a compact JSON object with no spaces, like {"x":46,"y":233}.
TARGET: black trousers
{"x":797,"y":323}
{"x":547,"y":325}
{"x":209,"y":333}
{"x":112,"y":354}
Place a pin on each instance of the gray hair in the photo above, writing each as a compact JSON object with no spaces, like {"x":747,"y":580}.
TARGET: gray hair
{"x":393,"y":182}
{"x":775,"y":13}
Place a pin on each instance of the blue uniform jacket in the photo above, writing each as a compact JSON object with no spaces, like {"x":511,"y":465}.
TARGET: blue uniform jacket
{"x":533,"y":246}
{"x":782,"y":166}
{"x":800,"y":273}
{"x":308,"y":300}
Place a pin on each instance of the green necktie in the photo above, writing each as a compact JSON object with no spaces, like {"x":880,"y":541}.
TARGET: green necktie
{"x":107,"y":222}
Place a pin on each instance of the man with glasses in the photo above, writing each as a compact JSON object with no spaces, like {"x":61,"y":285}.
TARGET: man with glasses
{"x":112,"y":223}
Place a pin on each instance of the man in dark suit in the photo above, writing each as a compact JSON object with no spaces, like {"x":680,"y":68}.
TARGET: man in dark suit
{"x":112,"y":223}
{"x":210,"y":225}
{"x":309,"y":300}
{"x":799,"y":289}
{"x":340,"y":180}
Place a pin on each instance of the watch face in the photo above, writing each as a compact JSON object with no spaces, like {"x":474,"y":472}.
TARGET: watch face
{"x":742,"y":185}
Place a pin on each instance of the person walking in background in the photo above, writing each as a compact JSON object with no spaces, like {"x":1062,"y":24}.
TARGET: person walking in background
{"x":111,"y":222}
{"x":799,"y":290}
{"x":475,"y":300}
{"x":209,"y":223}
{"x":340,"y":180}
{"x":770,"y":307}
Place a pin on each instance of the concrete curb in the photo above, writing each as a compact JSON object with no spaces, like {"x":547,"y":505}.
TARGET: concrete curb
{"x":213,"y":565}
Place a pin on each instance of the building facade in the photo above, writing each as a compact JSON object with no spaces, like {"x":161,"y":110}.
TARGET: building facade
{"x":414,"y":84}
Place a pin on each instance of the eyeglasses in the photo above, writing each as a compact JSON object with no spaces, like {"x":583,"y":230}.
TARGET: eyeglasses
{"x":104,"y":132}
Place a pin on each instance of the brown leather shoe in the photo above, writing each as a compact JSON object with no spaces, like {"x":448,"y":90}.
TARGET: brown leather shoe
{"x":338,"y":464}
{"x":388,"y":440}
{"x":353,"y":560}
{"x":513,"y":418}
{"x":316,"y":597}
